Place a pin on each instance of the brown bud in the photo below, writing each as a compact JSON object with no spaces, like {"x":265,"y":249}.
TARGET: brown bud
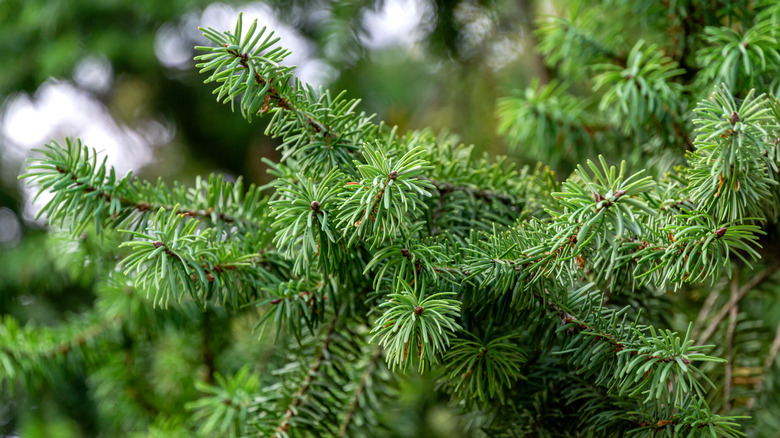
{"x":720,"y":232}
{"x":157,"y":244}
{"x":276,"y":301}
{"x":734,"y":118}
{"x":598,"y":197}
{"x":393,"y":175}
{"x":315,"y":206}
{"x":405,"y":252}
{"x":619,"y":193}
{"x":418,"y":311}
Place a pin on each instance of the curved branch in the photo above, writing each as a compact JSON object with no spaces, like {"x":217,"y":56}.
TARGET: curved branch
{"x":755,"y":281}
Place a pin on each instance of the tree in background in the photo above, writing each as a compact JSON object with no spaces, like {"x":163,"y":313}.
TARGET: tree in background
{"x":634,"y":297}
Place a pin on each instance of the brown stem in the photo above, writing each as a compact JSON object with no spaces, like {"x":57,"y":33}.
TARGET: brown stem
{"x":142,"y":207}
{"x":755,"y":281}
{"x":353,"y":407}
{"x":217,"y":268}
{"x":486,"y":195}
{"x":284,"y":425}
{"x":436,"y":215}
{"x":282,"y":102}
{"x":773,"y":350}
{"x":681,"y":28}
{"x":568,"y":318}
{"x":768,"y":362}
{"x":730,"y":344}
{"x":374,"y":204}
{"x":705,"y":311}
{"x":65,"y":348}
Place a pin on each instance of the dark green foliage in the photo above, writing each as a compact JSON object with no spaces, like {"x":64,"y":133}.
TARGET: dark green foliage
{"x":373,"y":252}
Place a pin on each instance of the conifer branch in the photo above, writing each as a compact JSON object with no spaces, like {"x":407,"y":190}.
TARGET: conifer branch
{"x":727,"y":379}
{"x":520,"y":265}
{"x":773,"y":351}
{"x":29,"y":353}
{"x":283,"y":102}
{"x":144,"y":207}
{"x":359,"y":392}
{"x":299,"y":396}
{"x":77,"y":340}
{"x":86,"y":192}
{"x":486,"y":195}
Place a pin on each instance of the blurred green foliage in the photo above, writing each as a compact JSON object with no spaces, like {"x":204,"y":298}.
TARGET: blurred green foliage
{"x":470,"y":54}
{"x":447,"y":80}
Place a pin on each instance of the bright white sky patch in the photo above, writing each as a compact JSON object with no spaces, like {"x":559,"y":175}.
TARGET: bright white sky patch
{"x":60,"y":109}
{"x":173,"y":45}
{"x":10,"y":228}
{"x":94,"y":73}
{"x":398,"y":23}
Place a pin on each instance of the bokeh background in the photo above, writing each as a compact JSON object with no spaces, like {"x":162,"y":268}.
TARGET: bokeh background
{"x":119,"y":74}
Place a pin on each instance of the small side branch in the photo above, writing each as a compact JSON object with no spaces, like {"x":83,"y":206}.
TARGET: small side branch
{"x":142,"y":207}
{"x":485,"y":195}
{"x":733,"y":311}
{"x":282,"y":102}
{"x":353,"y":407}
{"x":750,"y":285}
{"x":284,"y":425}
